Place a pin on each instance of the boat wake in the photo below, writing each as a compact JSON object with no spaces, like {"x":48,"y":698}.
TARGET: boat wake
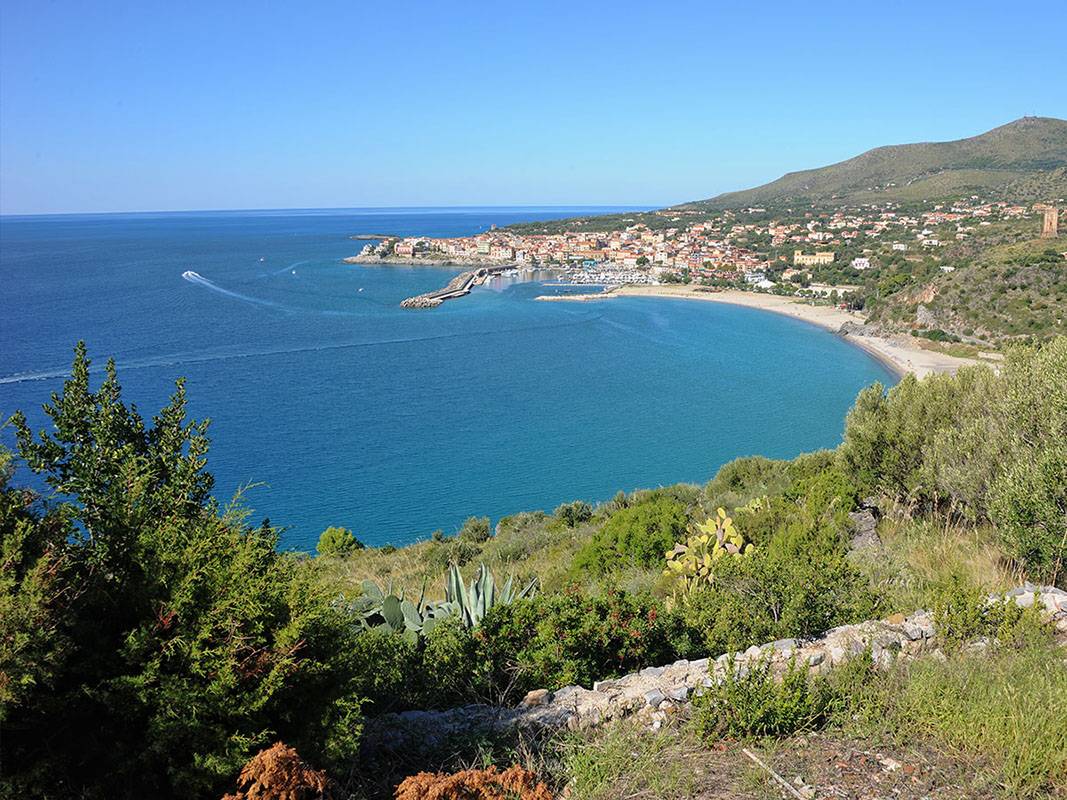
{"x":200,"y":280}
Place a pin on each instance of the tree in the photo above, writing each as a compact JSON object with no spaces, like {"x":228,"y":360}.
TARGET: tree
{"x":475,"y":529}
{"x":158,"y":642}
{"x":574,"y":514}
{"x":338,"y":542}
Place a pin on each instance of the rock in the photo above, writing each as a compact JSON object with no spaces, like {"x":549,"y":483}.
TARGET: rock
{"x":1025,"y":600}
{"x":785,"y":645}
{"x":680,"y":664}
{"x":681,"y":694}
{"x":651,"y":672}
{"x":865,"y":536}
{"x":700,"y":665}
{"x":815,"y":659}
{"x":753,"y":652}
{"x":925,"y":317}
{"x":654,"y":698}
{"x":538,"y":697}
{"x":896,"y":619}
{"x":837,"y":655}
{"x":603,"y":686}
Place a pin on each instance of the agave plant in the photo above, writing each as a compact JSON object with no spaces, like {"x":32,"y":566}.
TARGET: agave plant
{"x":472,"y":603}
{"x":380,"y":609}
{"x":692,"y":562}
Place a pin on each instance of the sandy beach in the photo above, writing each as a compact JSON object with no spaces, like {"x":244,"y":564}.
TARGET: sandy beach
{"x":897,"y":353}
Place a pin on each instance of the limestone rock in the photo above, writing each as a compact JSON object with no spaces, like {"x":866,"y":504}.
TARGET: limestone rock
{"x":538,"y":697}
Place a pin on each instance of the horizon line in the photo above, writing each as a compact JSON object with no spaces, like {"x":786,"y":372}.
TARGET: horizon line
{"x":430,"y":208}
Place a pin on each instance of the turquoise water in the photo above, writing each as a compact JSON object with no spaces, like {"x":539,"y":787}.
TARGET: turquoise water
{"x":344,"y":409}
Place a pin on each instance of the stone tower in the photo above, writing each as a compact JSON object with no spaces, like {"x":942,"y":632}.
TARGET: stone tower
{"x":1050,"y":228}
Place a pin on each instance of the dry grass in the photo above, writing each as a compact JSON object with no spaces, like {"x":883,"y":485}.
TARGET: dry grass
{"x":920,"y":555}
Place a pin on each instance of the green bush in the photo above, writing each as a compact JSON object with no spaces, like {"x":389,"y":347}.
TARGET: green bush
{"x":174,"y":641}
{"x":475,"y":530}
{"x":553,"y":641}
{"x":636,"y":536}
{"x":741,"y":480}
{"x":888,"y":436}
{"x":987,"y":444}
{"x":797,"y":585}
{"x":964,"y":613}
{"x":749,"y":703}
{"x":338,"y":542}
{"x":1029,"y":503}
{"x":798,"y":581}
{"x":574,"y":514}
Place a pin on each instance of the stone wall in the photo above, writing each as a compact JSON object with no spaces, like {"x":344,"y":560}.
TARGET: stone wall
{"x":654,"y":693}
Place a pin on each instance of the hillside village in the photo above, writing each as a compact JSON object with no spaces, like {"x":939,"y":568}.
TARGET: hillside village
{"x":726,"y":247}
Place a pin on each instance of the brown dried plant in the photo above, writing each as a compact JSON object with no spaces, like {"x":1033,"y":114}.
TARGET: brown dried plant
{"x":514,"y":783}
{"x":278,"y":773}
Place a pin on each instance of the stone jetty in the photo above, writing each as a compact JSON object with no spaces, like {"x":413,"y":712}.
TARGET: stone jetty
{"x":457,"y":287}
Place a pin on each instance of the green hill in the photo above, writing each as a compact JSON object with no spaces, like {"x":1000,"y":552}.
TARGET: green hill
{"x":1013,"y":291}
{"x":1024,"y":160}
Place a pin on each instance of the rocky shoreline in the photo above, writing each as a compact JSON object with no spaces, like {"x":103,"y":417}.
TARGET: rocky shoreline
{"x":404,"y":261}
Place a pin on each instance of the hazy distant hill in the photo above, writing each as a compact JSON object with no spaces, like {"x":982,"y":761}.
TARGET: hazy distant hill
{"x":1023,"y":160}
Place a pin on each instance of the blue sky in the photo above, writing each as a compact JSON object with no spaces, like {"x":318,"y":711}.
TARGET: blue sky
{"x":123,"y":106}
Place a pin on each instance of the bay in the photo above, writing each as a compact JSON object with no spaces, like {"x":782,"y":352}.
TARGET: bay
{"x":337,"y":407}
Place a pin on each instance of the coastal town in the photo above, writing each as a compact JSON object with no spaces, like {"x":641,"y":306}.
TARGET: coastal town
{"x":725,"y":249}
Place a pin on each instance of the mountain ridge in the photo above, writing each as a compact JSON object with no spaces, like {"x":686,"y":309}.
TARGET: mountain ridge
{"x":1028,"y":155}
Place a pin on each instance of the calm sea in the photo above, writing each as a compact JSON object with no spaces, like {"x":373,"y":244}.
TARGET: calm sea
{"x":340,"y":408}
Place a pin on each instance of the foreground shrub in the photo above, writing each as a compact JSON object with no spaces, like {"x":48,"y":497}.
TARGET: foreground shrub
{"x":279,"y":774}
{"x":987,"y":444}
{"x":800,"y":582}
{"x":514,"y":783}
{"x":574,"y":514}
{"x":174,"y":641}
{"x":964,"y":613}
{"x":554,"y":641}
{"x":636,"y":536}
{"x":749,"y":702}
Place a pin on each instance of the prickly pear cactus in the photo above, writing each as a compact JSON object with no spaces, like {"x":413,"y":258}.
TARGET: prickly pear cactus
{"x":692,"y":563}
